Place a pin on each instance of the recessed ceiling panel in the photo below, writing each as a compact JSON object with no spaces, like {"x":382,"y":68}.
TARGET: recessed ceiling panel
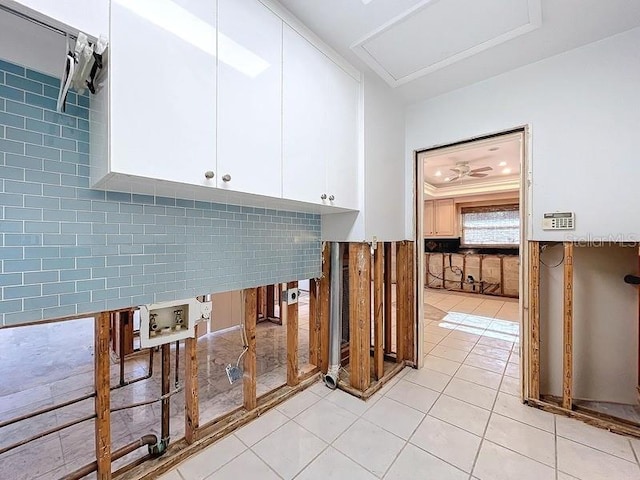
{"x":440,"y":32}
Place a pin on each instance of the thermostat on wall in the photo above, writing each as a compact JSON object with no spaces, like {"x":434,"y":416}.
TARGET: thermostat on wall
{"x":558,"y":221}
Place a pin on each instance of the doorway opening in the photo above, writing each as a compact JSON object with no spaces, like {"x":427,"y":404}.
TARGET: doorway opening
{"x":471,"y":222}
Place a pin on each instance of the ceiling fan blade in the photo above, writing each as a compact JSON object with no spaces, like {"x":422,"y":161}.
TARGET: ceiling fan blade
{"x":478,"y":175}
{"x":456,"y":170}
{"x":481,"y":169}
{"x":454,"y":178}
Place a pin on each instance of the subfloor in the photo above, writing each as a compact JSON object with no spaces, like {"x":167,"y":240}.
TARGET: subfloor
{"x":60,"y":367}
{"x":460,"y":417}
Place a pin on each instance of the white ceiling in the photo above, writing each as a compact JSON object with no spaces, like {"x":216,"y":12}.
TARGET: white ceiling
{"x":424,"y":48}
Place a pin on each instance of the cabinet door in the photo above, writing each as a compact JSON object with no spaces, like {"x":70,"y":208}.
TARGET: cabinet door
{"x":428,"y":220}
{"x":249,"y":98}
{"x":342,"y":105}
{"x":304,"y":127}
{"x":162,"y":66}
{"x":445,"y":224}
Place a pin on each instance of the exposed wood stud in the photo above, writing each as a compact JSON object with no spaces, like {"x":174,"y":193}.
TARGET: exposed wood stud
{"x":378,"y":318}
{"x":293,"y":374}
{"x":102,"y":399}
{"x":534,"y":320}
{"x":271,"y":300}
{"x":314,"y":321}
{"x":567,"y":341}
{"x":388,"y":296}
{"x":403,"y":291}
{"x":192,"y":414}
{"x":323,"y":300}
{"x":501,"y":276}
{"x":250,"y":368}
{"x":360,"y":315}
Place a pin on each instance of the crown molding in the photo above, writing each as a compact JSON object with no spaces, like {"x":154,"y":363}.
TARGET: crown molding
{"x":460,"y":190}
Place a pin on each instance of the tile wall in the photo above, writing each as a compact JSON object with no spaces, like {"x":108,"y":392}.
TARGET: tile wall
{"x":66,"y":249}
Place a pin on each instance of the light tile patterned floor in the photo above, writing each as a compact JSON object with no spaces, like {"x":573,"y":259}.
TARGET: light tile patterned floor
{"x":460,"y":417}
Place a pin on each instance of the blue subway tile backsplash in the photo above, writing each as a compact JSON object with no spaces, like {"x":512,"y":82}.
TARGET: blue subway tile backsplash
{"x":66,"y":249}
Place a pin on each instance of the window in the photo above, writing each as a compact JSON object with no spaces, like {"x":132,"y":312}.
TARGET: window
{"x":498,"y":225}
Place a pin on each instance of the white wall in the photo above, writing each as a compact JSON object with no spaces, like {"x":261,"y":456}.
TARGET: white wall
{"x":584,"y":111}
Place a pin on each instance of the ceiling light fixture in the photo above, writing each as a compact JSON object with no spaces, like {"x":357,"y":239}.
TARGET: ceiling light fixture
{"x":502,"y":164}
{"x":506,"y":171}
{"x":438,"y":173}
{"x":367,"y":2}
{"x":447,"y":179}
{"x":494,"y":149}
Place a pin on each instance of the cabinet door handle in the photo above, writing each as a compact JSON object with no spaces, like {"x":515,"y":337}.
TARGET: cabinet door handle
{"x":209,"y":174}
{"x":226,"y":178}
{"x":331,"y":198}
{"x":323,"y":196}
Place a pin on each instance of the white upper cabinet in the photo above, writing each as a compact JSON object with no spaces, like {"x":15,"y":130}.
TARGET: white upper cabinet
{"x":249,"y":98}
{"x":320,"y":127}
{"x":304,"y":122}
{"x":163,"y":89}
{"x":342,"y":138}
{"x":91,"y":19}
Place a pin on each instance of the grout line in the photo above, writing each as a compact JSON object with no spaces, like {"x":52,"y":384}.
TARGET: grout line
{"x":555,"y":444}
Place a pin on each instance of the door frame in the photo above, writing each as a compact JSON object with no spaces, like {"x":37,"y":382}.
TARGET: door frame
{"x":525,"y":227}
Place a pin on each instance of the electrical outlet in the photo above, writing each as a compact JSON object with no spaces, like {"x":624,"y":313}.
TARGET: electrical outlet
{"x":292,"y":296}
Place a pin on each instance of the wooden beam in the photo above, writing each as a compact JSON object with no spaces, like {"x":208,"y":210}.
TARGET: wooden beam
{"x":250,"y":368}
{"x":192,"y":413}
{"x":411,"y":320}
{"x":103,"y":395}
{"x":293,"y":375}
{"x":388,"y":298}
{"x":323,"y":309}
{"x":402,"y":307}
{"x":360,"y":315}
{"x":567,"y":341}
{"x":314,"y":322}
{"x":534,"y":320}
{"x":378,"y":314}
{"x":271,"y":300}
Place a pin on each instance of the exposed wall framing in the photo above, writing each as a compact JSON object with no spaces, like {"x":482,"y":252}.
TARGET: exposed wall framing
{"x":566,"y":404}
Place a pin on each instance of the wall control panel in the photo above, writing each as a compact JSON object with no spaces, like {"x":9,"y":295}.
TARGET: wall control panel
{"x":168,"y":322}
{"x":558,"y":221}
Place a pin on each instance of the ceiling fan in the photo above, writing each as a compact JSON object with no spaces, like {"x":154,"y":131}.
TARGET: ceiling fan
{"x":462,"y":169}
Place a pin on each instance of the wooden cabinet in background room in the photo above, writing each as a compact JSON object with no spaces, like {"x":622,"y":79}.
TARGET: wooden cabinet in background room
{"x":439,"y":218}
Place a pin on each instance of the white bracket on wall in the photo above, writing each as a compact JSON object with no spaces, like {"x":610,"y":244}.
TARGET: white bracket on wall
{"x":292,"y":296}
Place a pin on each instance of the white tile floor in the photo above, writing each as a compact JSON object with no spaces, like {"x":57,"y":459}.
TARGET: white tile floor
{"x":460,"y":417}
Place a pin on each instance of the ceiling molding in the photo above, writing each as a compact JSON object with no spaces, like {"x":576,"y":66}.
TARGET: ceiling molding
{"x":460,"y":190}
{"x":359,"y":47}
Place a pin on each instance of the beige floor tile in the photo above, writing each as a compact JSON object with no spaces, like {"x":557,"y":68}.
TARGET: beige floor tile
{"x":428,"y":378}
{"x":413,"y":395}
{"x":498,"y":463}
{"x":447,"y":442}
{"x":479,"y":376}
{"x":460,"y":334}
{"x":492,"y":352}
{"x":492,"y":364}
{"x":394,"y":417}
{"x":333,"y":465}
{"x":449,"y":353}
{"x":428,"y":346}
{"x":511,"y":386}
{"x":320,"y":389}
{"x":461,"y":414}
{"x":522,"y":438}
{"x":289,"y":449}
{"x":512,"y":370}
{"x":477,"y":321}
{"x":595,"y":437}
{"x":262,"y":426}
{"x":496,"y":342}
{"x":416,"y":463}
{"x":351,"y":403}
{"x":298,"y":403}
{"x":247,"y":465}
{"x":471,"y":393}
{"x":441,"y":365}
{"x":458,"y":344}
{"x":370,"y":446}
{"x":172,"y":475}
{"x":203,"y":464}
{"x":326,"y":420}
{"x":587,"y":463}
{"x":510,"y":406}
